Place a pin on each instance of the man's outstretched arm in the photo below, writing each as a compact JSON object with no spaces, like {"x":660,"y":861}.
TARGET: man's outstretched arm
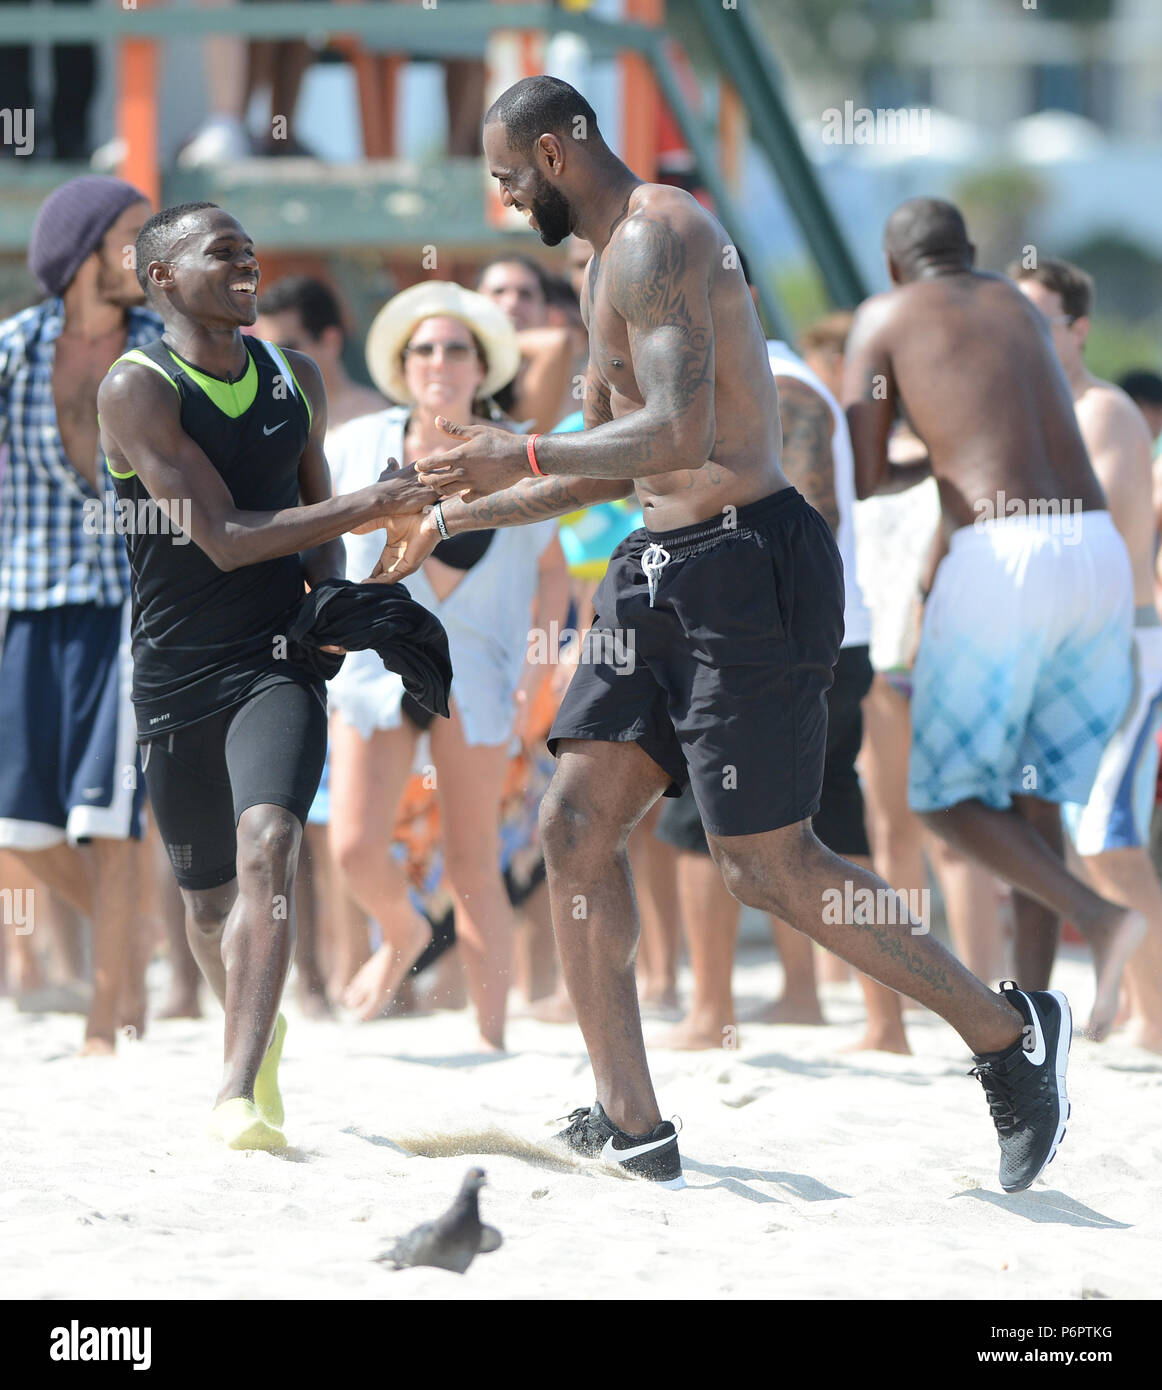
{"x":411,"y":539}
{"x":657,"y":279}
{"x":141,"y":432}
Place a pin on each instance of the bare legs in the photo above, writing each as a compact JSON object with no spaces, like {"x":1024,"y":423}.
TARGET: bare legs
{"x":654,"y":865}
{"x":103,"y":882}
{"x":368,"y":777}
{"x":710,"y":917}
{"x":1021,"y":846}
{"x":1127,"y":875}
{"x":469,"y":782}
{"x":242,"y":935}
{"x":599,"y":793}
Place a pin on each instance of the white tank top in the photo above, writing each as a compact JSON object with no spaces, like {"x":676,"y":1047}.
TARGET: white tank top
{"x":856,"y":619}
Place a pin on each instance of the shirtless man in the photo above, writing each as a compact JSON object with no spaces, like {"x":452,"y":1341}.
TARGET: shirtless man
{"x":734,"y":599}
{"x":1023,"y":671}
{"x":228,"y":430}
{"x":70,"y":789}
{"x":1111,"y":832}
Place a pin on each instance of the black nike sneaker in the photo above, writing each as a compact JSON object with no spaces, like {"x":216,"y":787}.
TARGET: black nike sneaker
{"x":653,"y":1156}
{"x":1025,"y":1085}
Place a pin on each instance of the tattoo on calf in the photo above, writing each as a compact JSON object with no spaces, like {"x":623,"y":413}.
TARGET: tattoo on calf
{"x":900,"y":949}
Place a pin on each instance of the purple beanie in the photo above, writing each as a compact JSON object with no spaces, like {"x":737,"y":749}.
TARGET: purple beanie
{"x":72,"y":223}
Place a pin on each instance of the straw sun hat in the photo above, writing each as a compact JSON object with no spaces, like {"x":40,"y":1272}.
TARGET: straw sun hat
{"x":396,"y":322}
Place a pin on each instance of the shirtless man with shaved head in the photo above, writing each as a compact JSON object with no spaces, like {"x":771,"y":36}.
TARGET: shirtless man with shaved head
{"x":1023,"y":671}
{"x":733,"y":593}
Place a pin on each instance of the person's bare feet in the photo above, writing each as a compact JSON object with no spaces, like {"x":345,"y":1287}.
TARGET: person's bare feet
{"x":1110,"y":954}
{"x":374,"y":986}
{"x":803,"y":1012}
{"x":698,"y":1035}
{"x":97,"y":1047}
{"x":891,"y":1041}
{"x":557,"y":1008}
{"x":1147,"y":1036}
{"x":658,"y":995}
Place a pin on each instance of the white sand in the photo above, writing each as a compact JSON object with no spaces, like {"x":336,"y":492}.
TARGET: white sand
{"x":811,"y":1174}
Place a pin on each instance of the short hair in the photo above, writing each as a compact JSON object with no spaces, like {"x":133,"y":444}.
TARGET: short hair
{"x":519,"y":258}
{"x":828,"y":334}
{"x":923,"y":229}
{"x":1142,"y":385}
{"x":537,"y":106}
{"x":315,"y":302}
{"x":1074,"y":286}
{"x":157,"y":236}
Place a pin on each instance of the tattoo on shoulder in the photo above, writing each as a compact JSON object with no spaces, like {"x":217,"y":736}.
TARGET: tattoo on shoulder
{"x":649,"y":283}
{"x":807,"y":459}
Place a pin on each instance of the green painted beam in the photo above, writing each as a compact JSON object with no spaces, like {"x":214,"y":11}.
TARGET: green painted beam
{"x":449,"y":28}
{"x":741,"y":55}
{"x":385,"y":205}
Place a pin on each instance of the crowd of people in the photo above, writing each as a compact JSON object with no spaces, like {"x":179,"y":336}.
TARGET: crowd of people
{"x":995,"y":666}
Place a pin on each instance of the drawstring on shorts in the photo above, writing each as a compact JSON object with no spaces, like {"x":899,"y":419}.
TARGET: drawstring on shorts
{"x":654,"y":561}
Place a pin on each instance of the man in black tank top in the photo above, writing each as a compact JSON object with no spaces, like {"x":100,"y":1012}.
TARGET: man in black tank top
{"x":215,"y":445}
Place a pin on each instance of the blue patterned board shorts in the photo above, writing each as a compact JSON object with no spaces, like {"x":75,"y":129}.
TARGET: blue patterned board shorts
{"x":1025,"y":664}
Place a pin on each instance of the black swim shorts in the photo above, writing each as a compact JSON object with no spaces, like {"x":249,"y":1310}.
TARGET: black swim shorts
{"x":713,"y":649}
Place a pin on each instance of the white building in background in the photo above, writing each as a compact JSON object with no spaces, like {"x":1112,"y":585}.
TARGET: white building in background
{"x":995,"y":61}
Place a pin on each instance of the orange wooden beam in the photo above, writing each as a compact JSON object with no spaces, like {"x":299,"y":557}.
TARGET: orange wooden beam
{"x":137,"y":115}
{"x":731,"y":135}
{"x":639,"y":96}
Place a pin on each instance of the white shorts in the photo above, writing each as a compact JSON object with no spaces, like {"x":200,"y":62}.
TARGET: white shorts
{"x":1117,"y":814}
{"x":1024,"y":670}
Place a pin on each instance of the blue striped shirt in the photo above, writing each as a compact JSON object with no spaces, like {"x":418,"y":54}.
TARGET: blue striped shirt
{"x":47,"y":558}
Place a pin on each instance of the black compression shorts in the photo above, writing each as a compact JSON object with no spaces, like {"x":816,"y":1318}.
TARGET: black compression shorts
{"x":723,"y":678}
{"x":268,"y":750}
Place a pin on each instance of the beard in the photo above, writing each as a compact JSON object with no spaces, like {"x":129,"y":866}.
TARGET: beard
{"x":551,"y":209}
{"x":116,"y":284}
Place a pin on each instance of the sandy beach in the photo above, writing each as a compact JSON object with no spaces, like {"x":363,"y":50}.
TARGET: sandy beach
{"x":811,"y":1174}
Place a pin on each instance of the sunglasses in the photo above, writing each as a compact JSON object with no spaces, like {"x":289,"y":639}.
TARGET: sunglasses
{"x":454,"y":352}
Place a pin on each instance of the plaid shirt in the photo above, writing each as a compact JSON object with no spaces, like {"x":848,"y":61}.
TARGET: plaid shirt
{"x":47,"y":559}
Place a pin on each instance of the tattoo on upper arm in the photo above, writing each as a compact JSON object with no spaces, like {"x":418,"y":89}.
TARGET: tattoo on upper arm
{"x":807,"y":458}
{"x":649,"y":284}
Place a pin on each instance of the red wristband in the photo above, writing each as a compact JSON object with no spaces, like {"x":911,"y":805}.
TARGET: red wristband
{"x":531,"y":450}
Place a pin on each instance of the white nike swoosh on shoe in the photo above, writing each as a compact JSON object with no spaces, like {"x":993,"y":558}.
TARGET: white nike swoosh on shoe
{"x":1036,"y":1054}
{"x":620,"y":1155}
{"x":276,"y":428}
